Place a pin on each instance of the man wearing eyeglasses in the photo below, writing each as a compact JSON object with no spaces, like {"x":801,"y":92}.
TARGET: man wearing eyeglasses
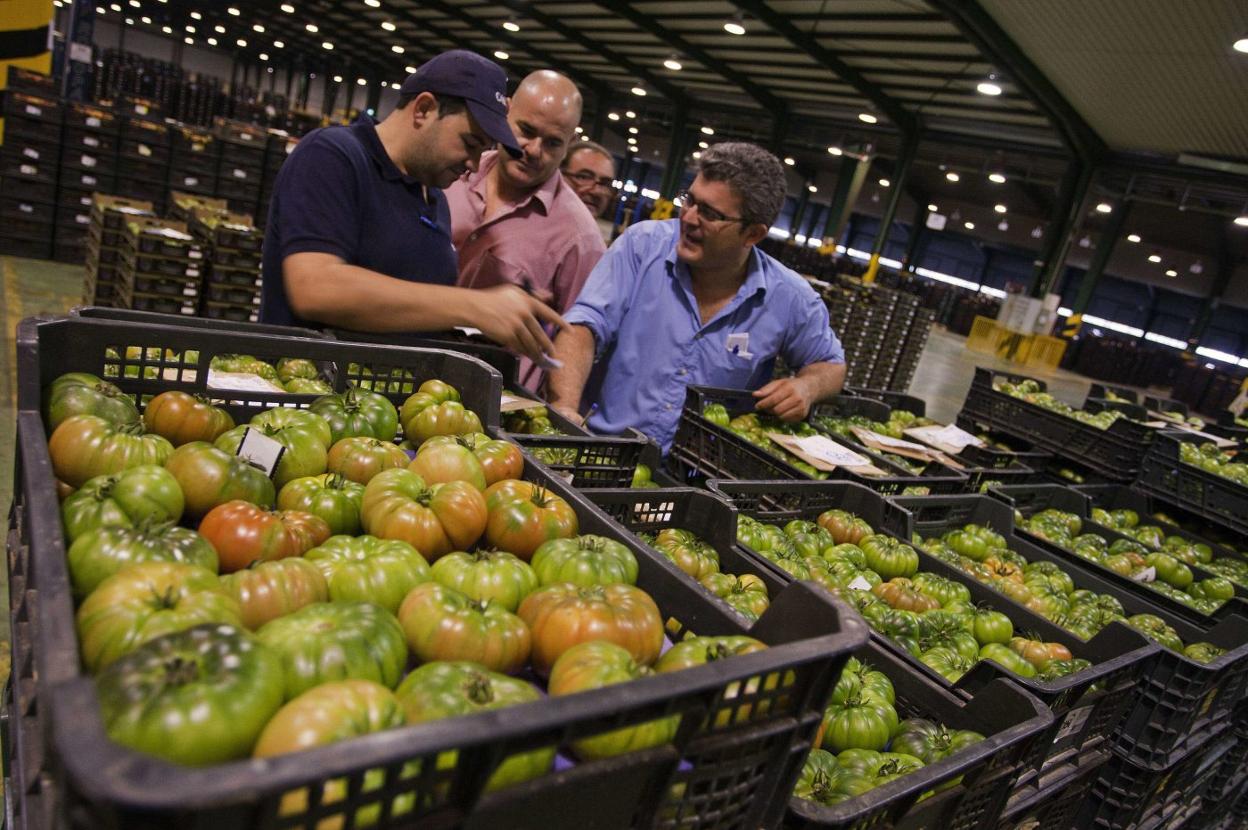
{"x":694,"y":301}
{"x":590,"y":169}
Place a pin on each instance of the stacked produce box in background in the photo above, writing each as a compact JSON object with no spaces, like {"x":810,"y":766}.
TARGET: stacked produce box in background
{"x":29,"y":159}
{"x":105,"y":238}
{"x":162,"y":267}
{"x":232,"y":250}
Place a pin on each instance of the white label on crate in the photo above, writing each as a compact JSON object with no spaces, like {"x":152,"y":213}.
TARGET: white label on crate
{"x":31,"y":109}
{"x":190,"y":181}
{"x":31,"y":153}
{"x":888,"y":441}
{"x":89,"y":180}
{"x":261,"y":451}
{"x":88,"y":161}
{"x":82,"y":218}
{"x":80,"y":52}
{"x":141,"y":109}
{"x":819,"y":448}
{"x":193,"y":254}
{"x":25,"y":208}
{"x":90,"y":141}
{"x":259,"y":280}
{"x":1148,"y":574}
{"x":860,"y":584}
{"x":92,"y":121}
{"x":29,"y":170}
{"x":1073,"y":723}
{"x":84,"y":200}
{"x":188,"y":310}
{"x":949,"y":438}
{"x":144,"y":150}
{"x":192,"y":272}
{"x":240,"y":174}
{"x":197,"y":147}
{"x":188,"y":291}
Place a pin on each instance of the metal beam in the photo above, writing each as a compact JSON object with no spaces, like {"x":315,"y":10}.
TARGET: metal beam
{"x":992,"y":40}
{"x":762,"y":96}
{"x":676,"y":151}
{"x":1100,"y":258}
{"x":900,"y":117}
{"x":1067,"y":210}
{"x":849,"y":181}
{"x":901,"y":172}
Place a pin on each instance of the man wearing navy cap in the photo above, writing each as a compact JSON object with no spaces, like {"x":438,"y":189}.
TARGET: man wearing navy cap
{"x":359,"y":234}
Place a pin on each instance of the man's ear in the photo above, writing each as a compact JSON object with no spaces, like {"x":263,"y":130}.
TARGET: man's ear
{"x":754,"y":234}
{"x":424,"y":108}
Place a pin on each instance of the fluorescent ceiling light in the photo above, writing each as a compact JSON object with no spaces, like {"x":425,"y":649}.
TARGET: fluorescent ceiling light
{"x":867,"y":118}
{"x":673,"y":64}
{"x":734,"y":27}
{"x":952,"y":176}
{"x":1104,"y":207}
{"x":790,"y":161}
{"x":638,"y":91}
{"x":1000,"y":208}
{"x":885,"y":183}
{"x":1133,"y":237}
{"x":988,"y":88}
{"x":996,"y":178}
{"x":836,"y":151}
{"x":933,"y":208}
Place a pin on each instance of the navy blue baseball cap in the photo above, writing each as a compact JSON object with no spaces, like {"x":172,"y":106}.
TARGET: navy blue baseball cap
{"x":479,"y":81}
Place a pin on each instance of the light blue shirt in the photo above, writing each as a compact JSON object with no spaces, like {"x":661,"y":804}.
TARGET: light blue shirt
{"x":651,"y":344}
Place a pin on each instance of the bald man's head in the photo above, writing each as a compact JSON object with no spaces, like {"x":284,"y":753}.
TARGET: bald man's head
{"x":544,"y":113}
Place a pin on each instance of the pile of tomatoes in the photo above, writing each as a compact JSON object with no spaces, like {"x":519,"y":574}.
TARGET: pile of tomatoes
{"x":226,"y":613}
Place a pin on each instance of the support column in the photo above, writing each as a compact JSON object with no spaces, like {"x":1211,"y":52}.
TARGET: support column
{"x":816,"y":213}
{"x":374,"y":97}
{"x":917,"y":226}
{"x":677,"y":149}
{"x":779,"y":131}
{"x":1225,"y":268}
{"x":1066,"y":211}
{"x":79,"y":52}
{"x":909,"y":146}
{"x":1096,"y":267}
{"x":986,"y":267}
{"x":802,"y":199}
{"x":849,"y":181}
{"x":599,"y":124}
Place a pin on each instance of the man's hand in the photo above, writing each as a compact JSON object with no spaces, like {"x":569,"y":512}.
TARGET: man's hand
{"x":787,"y":398}
{"x":569,"y":413}
{"x":509,"y":316}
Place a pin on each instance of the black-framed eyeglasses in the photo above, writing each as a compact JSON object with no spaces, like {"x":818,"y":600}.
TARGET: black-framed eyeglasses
{"x":587,"y":177}
{"x":708,"y":213}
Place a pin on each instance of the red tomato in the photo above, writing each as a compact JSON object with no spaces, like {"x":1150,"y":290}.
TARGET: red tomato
{"x":442,"y":463}
{"x":523,"y":515}
{"x":243,"y":533}
{"x":398,"y":504}
{"x":562,"y":615}
{"x":183,"y":418}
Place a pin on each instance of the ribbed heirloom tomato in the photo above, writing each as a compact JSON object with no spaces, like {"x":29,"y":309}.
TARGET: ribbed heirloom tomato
{"x":360,"y":458}
{"x":268,"y":590}
{"x":585,"y":561}
{"x":494,"y":575}
{"x":209,"y":476}
{"x":442,"y":462}
{"x":243,"y":533}
{"x":523,"y":515}
{"x":98,"y":554}
{"x":331,"y":497}
{"x":435,"y":410}
{"x":560,"y":616}
{"x":368,"y":569}
{"x":358,"y":412}
{"x":146,"y":493}
{"x":81,"y":393}
{"x":398,"y":504}
{"x":183,"y":418}
{"x":499,"y":459}
{"x":86,"y":446}
{"x":305,"y":453}
{"x":442,"y":624}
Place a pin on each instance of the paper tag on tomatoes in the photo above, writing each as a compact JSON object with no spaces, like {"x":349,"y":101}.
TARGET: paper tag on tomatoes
{"x":1145,"y":575}
{"x":511,"y":403}
{"x":820,"y":452}
{"x":260,"y":451}
{"x":860,"y":584}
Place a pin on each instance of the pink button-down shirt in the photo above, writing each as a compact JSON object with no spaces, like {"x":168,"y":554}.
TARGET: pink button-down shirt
{"x":547,"y":243}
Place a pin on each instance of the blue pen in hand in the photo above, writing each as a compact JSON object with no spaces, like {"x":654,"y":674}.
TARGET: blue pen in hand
{"x":428,"y":223}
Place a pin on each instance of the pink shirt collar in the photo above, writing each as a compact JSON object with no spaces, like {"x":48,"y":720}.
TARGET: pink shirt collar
{"x":545,"y":195}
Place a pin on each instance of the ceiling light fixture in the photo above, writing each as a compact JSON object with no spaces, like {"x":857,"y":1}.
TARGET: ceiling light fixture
{"x":190,"y":28}
{"x":1241,"y":45}
{"x":970,"y":226}
{"x":212,"y":41}
{"x":388,"y":26}
{"x":673,"y":64}
{"x":697,"y":154}
{"x":633,"y":130}
{"x":1133,"y":237}
{"x":638,"y":91}
{"x":196,"y":16}
{"x":703,"y":145}
{"x":1000,"y":208}
{"x":147,"y":21}
{"x":397,"y":49}
{"x":219,"y":29}
{"x":242,"y":43}
{"x":289,"y":9}
{"x":257,"y":27}
{"x":952,"y":176}
{"x":708,"y":131}
{"x":264,"y":56}
{"x":327,"y":45}
{"x":933,"y":208}
{"x":836,"y":151}
{"x":233,"y":11}
{"x":629,"y":114}
{"x":1170,"y":272}
{"x":501,"y":55}
{"x":614,"y":116}
{"x":337,"y":79}
{"x":812,"y":188}
{"x":166,"y":29}
{"x":1242,"y":221}
{"x":411,"y":70}
{"x":1154,"y":257}
{"x":189,"y":41}
{"x":885,"y":183}
{"x":277,"y":44}
{"x":996,"y":178}
{"x":511,"y":25}
{"x":735,"y":26}
{"x":376,"y":4}
{"x":312,"y":27}
{"x":989,"y":86}
{"x":867,"y":118}
{"x":361,"y":82}
{"x":1104,"y":207}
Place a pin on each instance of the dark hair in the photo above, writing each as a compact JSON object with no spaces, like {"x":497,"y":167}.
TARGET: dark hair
{"x":755,"y":175}
{"x":588,"y":146}
{"x":447,"y":104}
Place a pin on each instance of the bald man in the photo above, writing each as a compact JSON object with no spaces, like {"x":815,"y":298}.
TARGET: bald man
{"x":516,"y":220}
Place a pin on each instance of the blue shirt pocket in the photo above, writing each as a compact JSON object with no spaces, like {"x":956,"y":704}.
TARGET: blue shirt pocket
{"x":725,"y":368}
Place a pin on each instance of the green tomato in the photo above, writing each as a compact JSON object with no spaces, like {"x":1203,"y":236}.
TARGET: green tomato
{"x":332,"y":497}
{"x":445,"y":690}
{"x":81,"y":393}
{"x":856,"y":724}
{"x":1007,"y":659}
{"x":931,"y":742}
{"x":992,"y":627}
{"x":368,"y":569}
{"x":304,"y":455}
{"x":584,"y":561}
{"x":143,"y":494}
{"x":888,"y":557}
{"x":336,"y":641}
{"x":358,"y":412}
{"x":196,"y":697}
{"x":98,"y":554}
{"x":1213,"y":588}
{"x":487,"y":575}
{"x":717,"y":414}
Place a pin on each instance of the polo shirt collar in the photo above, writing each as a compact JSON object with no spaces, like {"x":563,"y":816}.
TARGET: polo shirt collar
{"x":755,"y":274}
{"x":366,"y":128}
{"x":545,"y":195}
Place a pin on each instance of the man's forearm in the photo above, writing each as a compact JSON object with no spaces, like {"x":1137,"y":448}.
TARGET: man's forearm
{"x":823,"y":380}
{"x":574,"y":347}
{"x":351,"y":297}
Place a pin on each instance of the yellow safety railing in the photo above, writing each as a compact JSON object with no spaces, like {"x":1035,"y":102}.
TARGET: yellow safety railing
{"x":1037,"y":350}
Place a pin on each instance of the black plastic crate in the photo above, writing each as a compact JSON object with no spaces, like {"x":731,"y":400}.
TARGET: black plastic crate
{"x":1102,"y":390}
{"x":241,"y":277}
{"x":25,"y":246}
{"x":159,"y":303}
{"x":1032,"y":498}
{"x":234,"y":258}
{"x":984,"y":468}
{"x":587,"y":461}
{"x":894,"y":400}
{"x":25,"y":107}
{"x":1058,"y":800}
{"x":1126,"y":796}
{"x":180,"y":267}
{"x":41,"y":151}
{"x":21,"y":187}
{"x":1177,"y":698}
{"x":1116,"y":452}
{"x":1208,"y":495}
{"x":125,"y":315}
{"x":1010,"y":720}
{"x":702,"y":450}
{"x":23,"y":210}
{"x":228,"y":311}
{"x":93,"y":180}
{"x":86,"y":117}
{"x":16,"y":166}
{"x":747,"y":723}
{"x":228,"y":294}
{"x":1088,"y":717}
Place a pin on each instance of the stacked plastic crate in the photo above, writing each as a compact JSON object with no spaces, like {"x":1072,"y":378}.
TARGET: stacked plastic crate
{"x":162,"y":267}
{"x":108,"y":218}
{"x":28,"y":165}
{"x":232,"y":246}
{"x":280,"y":145}
{"x":88,"y":166}
{"x":242,"y":164}
{"x":143,"y":161}
{"x":892,"y":346}
{"x":912,"y":351}
{"x":194,"y":156}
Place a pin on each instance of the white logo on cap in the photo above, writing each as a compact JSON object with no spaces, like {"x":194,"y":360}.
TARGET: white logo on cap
{"x":500,"y":98}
